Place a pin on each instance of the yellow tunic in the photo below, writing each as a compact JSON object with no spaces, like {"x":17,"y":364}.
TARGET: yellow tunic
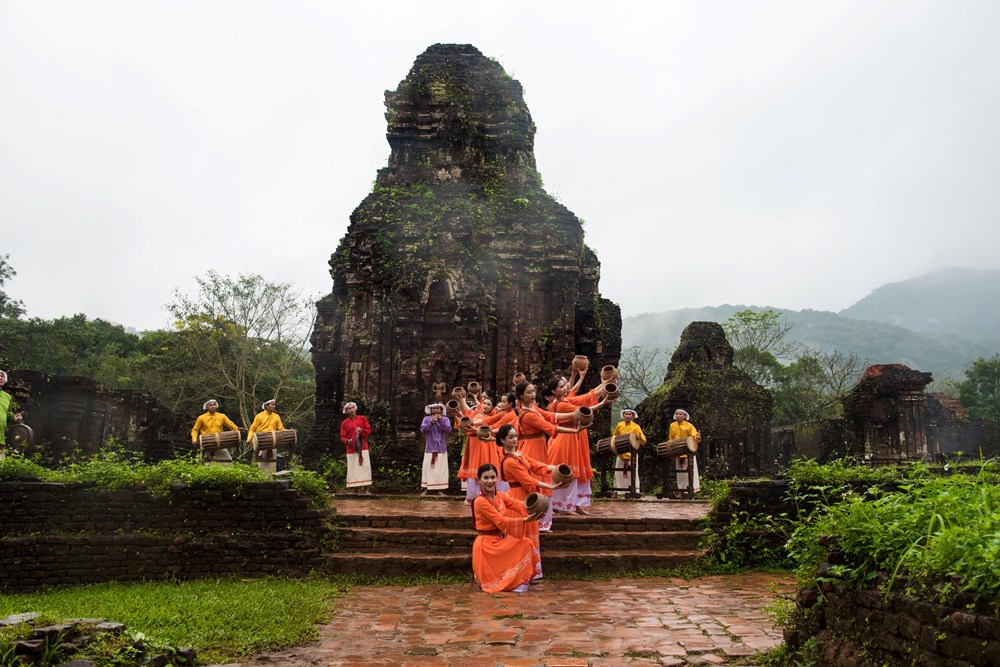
{"x":625,"y":429}
{"x":208,"y":423}
{"x":683,"y":430}
{"x":265,"y":422}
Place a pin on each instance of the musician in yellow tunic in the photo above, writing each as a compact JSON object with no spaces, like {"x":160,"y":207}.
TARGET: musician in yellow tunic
{"x":265,"y":422}
{"x":628,"y":426}
{"x":211,"y":422}
{"x":681,"y":429}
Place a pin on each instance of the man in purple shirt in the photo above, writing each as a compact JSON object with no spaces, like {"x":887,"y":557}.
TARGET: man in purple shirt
{"x":435,"y":427}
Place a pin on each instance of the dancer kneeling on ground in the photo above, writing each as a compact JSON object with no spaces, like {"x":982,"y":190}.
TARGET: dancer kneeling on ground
{"x":435,"y":427}
{"x":503,"y":559}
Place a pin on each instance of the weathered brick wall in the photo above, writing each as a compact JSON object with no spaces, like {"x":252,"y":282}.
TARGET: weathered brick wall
{"x":55,"y":534}
{"x":867,"y":627}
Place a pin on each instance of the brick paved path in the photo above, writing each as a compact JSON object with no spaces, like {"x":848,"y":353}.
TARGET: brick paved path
{"x":651,"y":621}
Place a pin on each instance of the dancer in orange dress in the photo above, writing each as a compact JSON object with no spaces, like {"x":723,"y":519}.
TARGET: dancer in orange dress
{"x":569,"y":448}
{"x":526,"y":475}
{"x":503,"y":559}
{"x":478,"y":451}
{"x":534,"y":424}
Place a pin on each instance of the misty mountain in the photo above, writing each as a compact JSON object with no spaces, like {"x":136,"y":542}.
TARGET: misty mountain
{"x":945,"y":304}
{"x":876,"y":342}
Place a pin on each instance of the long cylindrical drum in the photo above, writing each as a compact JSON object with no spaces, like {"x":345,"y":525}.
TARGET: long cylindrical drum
{"x":618,"y":444}
{"x":677,"y":447}
{"x":581,"y":363}
{"x":277,"y":440}
{"x":613,"y":391}
{"x":583,"y":416}
{"x":609,"y":373}
{"x":453,"y":407}
{"x":212,"y":441}
{"x":474,"y":388}
{"x":562,"y":473}
{"x":20,"y":434}
{"x":536,"y":503}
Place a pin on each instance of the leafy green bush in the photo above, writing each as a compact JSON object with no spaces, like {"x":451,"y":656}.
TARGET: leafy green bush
{"x":938,"y":533}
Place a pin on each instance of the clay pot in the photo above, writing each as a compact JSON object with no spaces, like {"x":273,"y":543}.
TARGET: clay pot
{"x":562,"y":473}
{"x":609,"y":373}
{"x":536,"y":503}
{"x":583,"y":416}
{"x":612,"y":390}
{"x":581,"y":363}
{"x":484,"y":433}
{"x":474,"y":388}
{"x":519,"y":378}
{"x":458,"y":392}
{"x":465,"y":423}
{"x":453,"y":408}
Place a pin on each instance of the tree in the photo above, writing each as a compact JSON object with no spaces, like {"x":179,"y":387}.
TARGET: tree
{"x":759,"y":341}
{"x":980,"y":391}
{"x":640,"y":371}
{"x":812,"y":386}
{"x":9,"y":308}
{"x":241,"y":341}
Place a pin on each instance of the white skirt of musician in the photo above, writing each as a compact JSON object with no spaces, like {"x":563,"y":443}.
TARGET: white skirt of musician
{"x":624,"y":477}
{"x":577,"y":494}
{"x":434,"y":476}
{"x":682,"y":473}
{"x":359,"y":473}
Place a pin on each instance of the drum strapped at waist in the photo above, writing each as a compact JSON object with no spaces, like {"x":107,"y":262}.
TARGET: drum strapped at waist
{"x":277,"y":440}
{"x":494,"y":533}
{"x":619,"y":444}
{"x":212,"y":441}
{"x":677,"y":447}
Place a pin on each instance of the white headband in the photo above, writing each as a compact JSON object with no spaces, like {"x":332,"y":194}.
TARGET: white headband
{"x":263,"y":406}
{"x":209,"y":402}
{"x":347,"y":405}
{"x":4,"y":374}
{"x":683,"y":412}
{"x":630,"y":411}
{"x":428,"y":408}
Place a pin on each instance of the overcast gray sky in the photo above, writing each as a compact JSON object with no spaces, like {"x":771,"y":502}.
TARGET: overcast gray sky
{"x":794,"y":154}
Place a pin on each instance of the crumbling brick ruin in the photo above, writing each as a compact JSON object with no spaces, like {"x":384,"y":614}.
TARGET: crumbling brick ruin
{"x":458,"y":265}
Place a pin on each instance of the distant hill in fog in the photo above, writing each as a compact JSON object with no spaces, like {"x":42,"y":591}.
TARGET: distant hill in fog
{"x":945,"y":304}
{"x":876,"y":342}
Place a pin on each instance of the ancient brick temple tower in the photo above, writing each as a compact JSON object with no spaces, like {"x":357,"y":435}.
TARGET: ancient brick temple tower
{"x":458,"y":266}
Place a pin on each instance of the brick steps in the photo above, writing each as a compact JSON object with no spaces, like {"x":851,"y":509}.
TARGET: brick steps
{"x":441,"y":541}
{"x":392,"y":537}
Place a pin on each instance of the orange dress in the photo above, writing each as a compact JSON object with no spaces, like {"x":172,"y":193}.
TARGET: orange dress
{"x":523,"y":474}
{"x":502,"y":557}
{"x":532,"y":427}
{"x":573,"y":449}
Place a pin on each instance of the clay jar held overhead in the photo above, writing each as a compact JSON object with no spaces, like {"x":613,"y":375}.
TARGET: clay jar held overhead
{"x":613,"y":391}
{"x":609,"y":373}
{"x":563,"y":473}
{"x":519,"y":378}
{"x":583,"y":416}
{"x":474,"y":388}
{"x":453,"y":407}
{"x":581,"y":363}
{"x":458,"y":393}
{"x":536,"y":503}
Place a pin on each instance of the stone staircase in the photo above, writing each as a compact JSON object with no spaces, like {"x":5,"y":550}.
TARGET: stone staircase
{"x":395,"y":535}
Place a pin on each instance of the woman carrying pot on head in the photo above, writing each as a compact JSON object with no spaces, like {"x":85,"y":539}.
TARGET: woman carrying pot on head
{"x":503,"y":559}
{"x":682,"y":429}
{"x":628,"y":426}
{"x":354,"y":432}
{"x":572,"y":449}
